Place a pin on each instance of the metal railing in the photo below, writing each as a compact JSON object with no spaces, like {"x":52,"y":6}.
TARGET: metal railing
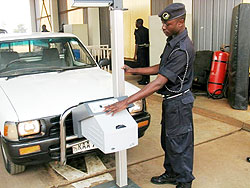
{"x":100,"y":52}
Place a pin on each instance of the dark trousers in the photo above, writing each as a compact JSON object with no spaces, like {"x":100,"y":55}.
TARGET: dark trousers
{"x":143,"y":61}
{"x":177,"y":137}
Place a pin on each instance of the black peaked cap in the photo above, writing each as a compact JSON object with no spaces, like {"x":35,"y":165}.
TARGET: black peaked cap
{"x":172,"y":11}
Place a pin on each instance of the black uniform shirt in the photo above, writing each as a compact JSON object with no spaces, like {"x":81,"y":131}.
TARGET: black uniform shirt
{"x":141,"y":36}
{"x":173,"y":64}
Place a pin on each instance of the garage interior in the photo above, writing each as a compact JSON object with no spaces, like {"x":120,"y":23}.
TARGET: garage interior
{"x":222,"y":138}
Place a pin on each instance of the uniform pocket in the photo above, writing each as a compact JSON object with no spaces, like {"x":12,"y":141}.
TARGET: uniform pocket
{"x":171,"y":116}
{"x":179,"y":117}
{"x":186,"y":112}
{"x":179,"y":143}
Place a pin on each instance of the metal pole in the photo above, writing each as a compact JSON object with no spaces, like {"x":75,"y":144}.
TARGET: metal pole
{"x":117,"y":46}
{"x":63,"y":137}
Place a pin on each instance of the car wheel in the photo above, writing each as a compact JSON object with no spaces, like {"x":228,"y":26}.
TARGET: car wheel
{"x":10,"y":166}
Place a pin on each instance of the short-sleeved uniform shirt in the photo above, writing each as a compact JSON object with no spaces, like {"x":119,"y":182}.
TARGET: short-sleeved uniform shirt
{"x":176,"y":61}
{"x":141,"y":36}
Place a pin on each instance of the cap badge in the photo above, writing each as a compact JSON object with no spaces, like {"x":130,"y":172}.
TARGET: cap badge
{"x":165,"y":16}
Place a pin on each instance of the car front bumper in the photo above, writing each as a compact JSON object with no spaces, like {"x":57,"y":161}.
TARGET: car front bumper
{"x":50,"y":145}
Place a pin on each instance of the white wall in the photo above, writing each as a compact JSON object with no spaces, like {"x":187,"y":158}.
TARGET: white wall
{"x":80,"y":30}
{"x":189,"y":5}
{"x":93,"y":26}
{"x":158,"y":39}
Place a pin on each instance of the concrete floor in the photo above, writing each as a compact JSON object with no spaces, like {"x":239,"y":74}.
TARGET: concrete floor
{"x":221,"y":148}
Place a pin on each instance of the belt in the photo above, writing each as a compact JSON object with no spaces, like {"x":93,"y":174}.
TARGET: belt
{"x":143,"y":45}
{"x":174,"y":96}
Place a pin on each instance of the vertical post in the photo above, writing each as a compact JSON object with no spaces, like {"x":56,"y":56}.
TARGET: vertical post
{"x":117,"y":46}
{"x":63,"y":158}
{"x":93,"y":26}
{"x":54,"y":15}
{"x":33,"y":16}
{"x":62,"y":141}
{"x":121,"y":168}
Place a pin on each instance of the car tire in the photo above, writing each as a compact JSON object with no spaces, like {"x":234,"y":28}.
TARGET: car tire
{"x":11,"y":167}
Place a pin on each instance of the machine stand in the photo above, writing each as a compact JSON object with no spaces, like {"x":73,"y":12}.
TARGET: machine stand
{"x":112,"y":184}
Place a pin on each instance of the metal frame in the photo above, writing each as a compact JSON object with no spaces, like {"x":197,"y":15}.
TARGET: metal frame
{"x":212,"y":23}
{"x":63,"y":138}
{"x":116,"y":4}
{"x":91,"y":3}
{"x":117,"y":44}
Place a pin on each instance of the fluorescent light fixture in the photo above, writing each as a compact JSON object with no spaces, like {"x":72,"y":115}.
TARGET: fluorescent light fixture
{"x":91,"y":3}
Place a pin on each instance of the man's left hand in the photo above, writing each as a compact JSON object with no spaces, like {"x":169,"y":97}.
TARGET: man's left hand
{"x":116,"y":107}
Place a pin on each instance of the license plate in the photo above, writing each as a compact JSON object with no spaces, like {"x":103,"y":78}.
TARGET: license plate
{"x":83,"y":146}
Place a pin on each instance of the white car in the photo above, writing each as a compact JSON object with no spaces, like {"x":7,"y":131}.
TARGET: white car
{"x":41,"y":76}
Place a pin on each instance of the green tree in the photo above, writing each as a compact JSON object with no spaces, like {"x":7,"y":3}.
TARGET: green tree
{"x":20,"y":29}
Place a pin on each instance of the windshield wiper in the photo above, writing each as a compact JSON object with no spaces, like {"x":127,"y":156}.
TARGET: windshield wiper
{"x":30,"y":73}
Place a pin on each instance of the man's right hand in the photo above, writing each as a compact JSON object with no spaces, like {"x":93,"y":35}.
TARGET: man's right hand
{"x":127,"y":69}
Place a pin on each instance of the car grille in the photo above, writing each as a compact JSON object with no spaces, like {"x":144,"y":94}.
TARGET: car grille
{"x":54,"y":131}
{"x":55,"y":126}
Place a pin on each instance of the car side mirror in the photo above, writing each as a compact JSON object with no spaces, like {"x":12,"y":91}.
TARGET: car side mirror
{"x":104,"y":62}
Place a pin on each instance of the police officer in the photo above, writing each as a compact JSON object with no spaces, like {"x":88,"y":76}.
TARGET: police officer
{"x":44,"y":29}
{"x":142,"y":48}
{"x":174,"y":80}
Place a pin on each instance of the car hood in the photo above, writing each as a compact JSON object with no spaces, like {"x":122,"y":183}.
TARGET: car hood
{"x":42,"y":95}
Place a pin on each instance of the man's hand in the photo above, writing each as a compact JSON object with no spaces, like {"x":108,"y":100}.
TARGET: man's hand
{"x":116,"y":107}
{"x":127,"y":69}
{"x":135,"y":58}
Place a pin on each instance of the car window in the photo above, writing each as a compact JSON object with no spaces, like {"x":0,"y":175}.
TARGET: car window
{"x":47,"y":54}
{"x":80,"y":54}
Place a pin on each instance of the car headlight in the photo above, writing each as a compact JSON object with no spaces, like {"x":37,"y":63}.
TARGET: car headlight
{"x":29,"y":128}
{"x":10,"y":131}
{"x":138,"y":107}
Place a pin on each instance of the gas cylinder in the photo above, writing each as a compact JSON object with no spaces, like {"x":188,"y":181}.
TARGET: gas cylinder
{"x":218,"y":73}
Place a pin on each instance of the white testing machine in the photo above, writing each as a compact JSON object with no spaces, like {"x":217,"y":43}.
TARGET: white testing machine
{"x":108,"y":133}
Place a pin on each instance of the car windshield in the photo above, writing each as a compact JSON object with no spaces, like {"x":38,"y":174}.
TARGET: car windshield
{"x":32,"y":56}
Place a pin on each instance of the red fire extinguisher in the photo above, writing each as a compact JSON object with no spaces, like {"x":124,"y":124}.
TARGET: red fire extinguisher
{"x":216,"y":81}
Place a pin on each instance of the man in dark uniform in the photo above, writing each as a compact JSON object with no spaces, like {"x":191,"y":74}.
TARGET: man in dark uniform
{"x":142,"y":48}
{"x":44,"y":29}
{"x":174,"y":80}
